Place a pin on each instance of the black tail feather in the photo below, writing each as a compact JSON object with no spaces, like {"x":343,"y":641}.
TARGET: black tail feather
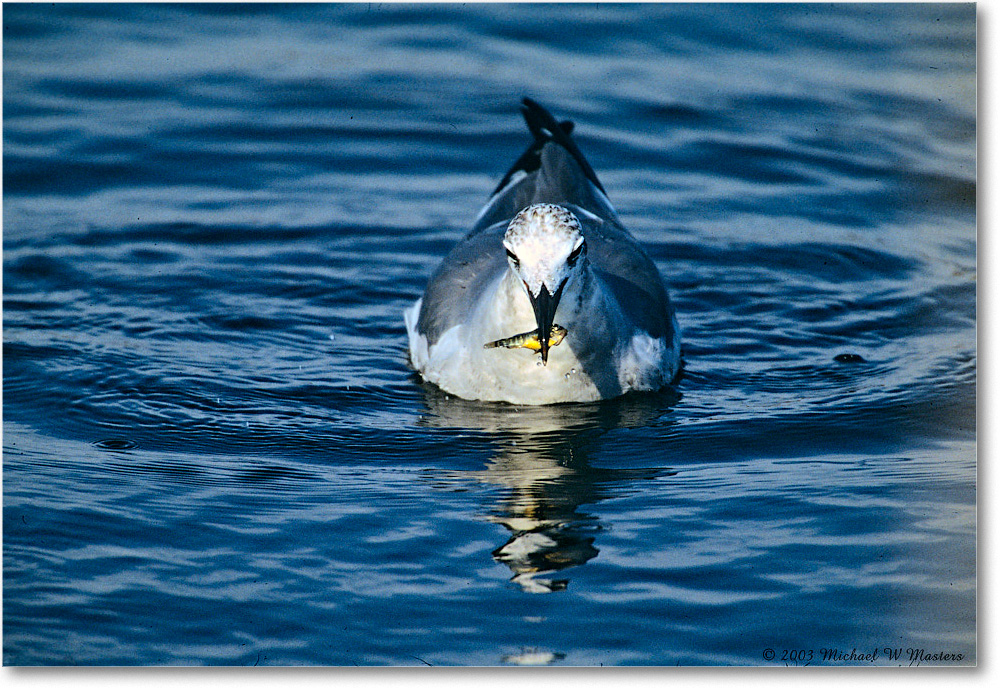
{"x":545,"y":128}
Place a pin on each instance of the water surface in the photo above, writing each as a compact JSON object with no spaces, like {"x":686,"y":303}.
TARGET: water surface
{"x":215,"y":451}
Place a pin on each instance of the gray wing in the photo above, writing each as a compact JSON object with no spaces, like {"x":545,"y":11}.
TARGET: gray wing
{"x":469,"y":267}
{"x":551,"y":171}
{"x":628,"y":272}
{"x":558,"y":180}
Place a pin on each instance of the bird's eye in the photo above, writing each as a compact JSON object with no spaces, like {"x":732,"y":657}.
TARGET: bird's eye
{"x":576,"y":253}
{"x":513,"y":257}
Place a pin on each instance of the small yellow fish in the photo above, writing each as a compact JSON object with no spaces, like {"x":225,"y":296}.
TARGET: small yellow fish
{"x":530,"y":339}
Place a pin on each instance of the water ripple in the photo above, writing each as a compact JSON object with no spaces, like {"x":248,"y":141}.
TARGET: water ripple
{"x":215,"y":451}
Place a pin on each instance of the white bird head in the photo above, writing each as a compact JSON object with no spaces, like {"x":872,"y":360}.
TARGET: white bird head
{"x":545,"y":249}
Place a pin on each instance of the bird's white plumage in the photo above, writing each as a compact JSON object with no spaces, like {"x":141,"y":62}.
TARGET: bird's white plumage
{"x":622,"y":333}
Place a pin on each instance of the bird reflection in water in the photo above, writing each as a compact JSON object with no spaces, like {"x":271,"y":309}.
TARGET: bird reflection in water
{"x":540,"y":458}
{"x":541,"y":510}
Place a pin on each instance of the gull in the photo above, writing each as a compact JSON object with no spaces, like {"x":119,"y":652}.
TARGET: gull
{"x":548,"y":250}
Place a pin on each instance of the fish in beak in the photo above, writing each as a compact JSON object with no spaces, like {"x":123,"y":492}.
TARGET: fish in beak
{"x":544,"y":305}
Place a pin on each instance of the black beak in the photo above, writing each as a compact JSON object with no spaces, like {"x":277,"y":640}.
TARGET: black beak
{"x":545,"y":305}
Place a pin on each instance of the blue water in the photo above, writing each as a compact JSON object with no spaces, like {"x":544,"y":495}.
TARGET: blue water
{"x":214,"y":451}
